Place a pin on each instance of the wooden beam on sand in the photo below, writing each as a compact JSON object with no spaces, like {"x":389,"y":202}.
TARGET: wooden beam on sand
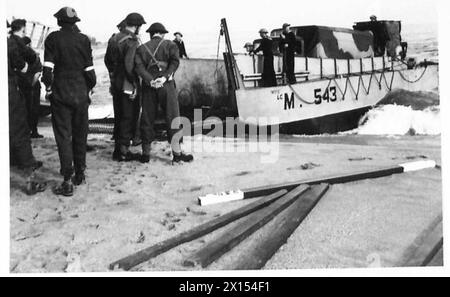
{"x":234,"y":236}
{"x":280,"y":230}
{"x":335,"y":179}
{"x":192,"y":234}
{"x":425,"y":249}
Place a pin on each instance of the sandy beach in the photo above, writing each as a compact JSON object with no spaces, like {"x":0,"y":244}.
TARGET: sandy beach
{"x":125,"y":207}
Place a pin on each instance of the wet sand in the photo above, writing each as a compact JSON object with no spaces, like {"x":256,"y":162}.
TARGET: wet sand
{"x":127,"y":207}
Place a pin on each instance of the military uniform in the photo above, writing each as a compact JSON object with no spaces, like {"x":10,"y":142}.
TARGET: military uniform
{"x":166,"y":52}
{"x":111,"y":58}
{"x":19,"y":133}
{"x":69,"y":74}
{"x":289,"y":55}
{"x":269,"y":78}
{"x":31,"y":89}
{"x":126,"y":108}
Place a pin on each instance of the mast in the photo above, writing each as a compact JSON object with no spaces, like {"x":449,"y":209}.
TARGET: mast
{"x":230,"y":62}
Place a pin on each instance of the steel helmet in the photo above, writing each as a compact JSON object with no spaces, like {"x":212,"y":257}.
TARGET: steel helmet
{"x":122,"y":24}
{"x":263,"y":30}
{"x":67,"y":15}
{"x":178,"y":33}
{"x":135,"y":19}
{"x":248,"y":44}
{"x":157,"y":28}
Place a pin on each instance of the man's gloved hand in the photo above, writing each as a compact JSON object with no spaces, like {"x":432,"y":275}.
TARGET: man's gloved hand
{"x":160,"y":82}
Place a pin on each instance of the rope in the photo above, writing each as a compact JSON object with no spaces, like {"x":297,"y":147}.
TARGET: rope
{"x":217,"y":58}
{"x":299,"y":97}
{"x":413,"y":81}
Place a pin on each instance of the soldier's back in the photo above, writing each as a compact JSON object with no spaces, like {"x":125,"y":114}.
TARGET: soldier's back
{"x":70,"y":51}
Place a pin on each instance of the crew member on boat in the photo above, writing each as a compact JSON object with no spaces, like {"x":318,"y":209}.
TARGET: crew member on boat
{"x":287,"y":48}
{"x":269,"y":78}
{"x":248,"y":47}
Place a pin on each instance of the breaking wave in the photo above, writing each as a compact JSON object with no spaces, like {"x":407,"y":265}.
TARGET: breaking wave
{"x":403,"y":113}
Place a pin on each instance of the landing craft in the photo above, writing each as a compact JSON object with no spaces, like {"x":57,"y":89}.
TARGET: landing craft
{"x":341,"y":74}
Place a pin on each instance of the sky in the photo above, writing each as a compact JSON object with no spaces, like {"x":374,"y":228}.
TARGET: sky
{"x":201,"y":18}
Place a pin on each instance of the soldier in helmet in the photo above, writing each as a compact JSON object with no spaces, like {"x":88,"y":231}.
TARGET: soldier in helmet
{"x":69,"y":77}
{"x":269,"y":78}
{"x":156,"y":63}
{"x":125,"y":86}
{"x":21,"y":153}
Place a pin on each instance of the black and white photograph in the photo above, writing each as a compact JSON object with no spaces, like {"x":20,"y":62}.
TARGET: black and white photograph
{"x":223,"y":137}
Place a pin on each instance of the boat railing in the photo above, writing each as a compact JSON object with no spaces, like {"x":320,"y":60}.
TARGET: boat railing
{"x":250,"y":67}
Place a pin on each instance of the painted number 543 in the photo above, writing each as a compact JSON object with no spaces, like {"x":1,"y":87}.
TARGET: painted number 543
{"x":329,"y":95}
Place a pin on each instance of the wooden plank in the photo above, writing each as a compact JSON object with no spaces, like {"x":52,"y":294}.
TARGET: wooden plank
{"x":233,"y":237}
{"x":438,"y":259}
{"x":335,"y":179}
{"x":426,"y":246}
{"x":280,"y":230}
{"x":192,"y":234}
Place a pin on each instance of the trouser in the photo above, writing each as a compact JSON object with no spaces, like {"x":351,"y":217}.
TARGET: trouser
{"x":70,"y":125}
{"x":166,"y":97}
{"x":128,"y":111}
{"x":20,"y":149}
{"x":269,"y":78}
{"x":117,"y":116}
{"x":33,"y":99}
{"x":289,"y":67}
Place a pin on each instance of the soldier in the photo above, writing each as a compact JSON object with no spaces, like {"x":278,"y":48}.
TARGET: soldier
{"x":111,"y":63}
{"x":156,"y":63}
{"x":21,"y":153}
{"x":69,"y":77}
{"x":31,"y":88}
{"x":287,"y":47}
{"x":125,"y":86}
{"x":248,"y":48}
{"x":180,"y":43}
{"x":269,"y":78}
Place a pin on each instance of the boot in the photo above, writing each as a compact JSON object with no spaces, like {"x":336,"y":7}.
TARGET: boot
{"x":125,"y":155}
{"x":116,"y":153}
{"x":34,"y":187}
{"x":65,"y":189}
{"x":36,"y":135}
{"x":182,"y":157}
{"x":146,"y":148}
{"x":79,"y":179}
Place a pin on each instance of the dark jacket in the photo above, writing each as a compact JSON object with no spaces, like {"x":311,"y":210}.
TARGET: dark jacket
{"x":291,"y":41}
{"x":165,"y":52}
{"x":111,"y":54}
{"x":181,"y":48}
{"x":266,"y":47}
{"x":16,"y":62}
{"x":68,"y":65}
{"x":120,"y":58}
{"x":28,"y":54}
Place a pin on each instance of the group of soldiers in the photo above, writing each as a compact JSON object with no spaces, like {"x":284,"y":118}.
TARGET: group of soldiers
{"x":287,"y":45}
{"x":142,"y":80}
